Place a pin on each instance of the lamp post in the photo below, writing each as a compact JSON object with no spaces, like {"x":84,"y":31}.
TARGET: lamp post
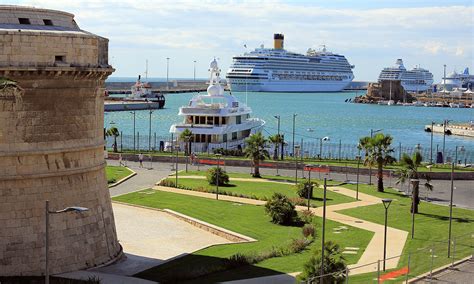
{"x":413,"y":181}
{"x":294,"y":122}
{"x":296,"y":148}
{"x":176,"y":147}
{"x":194,"y":71}
{"x":451,"y":210}
{"x":357,"y":180}
{"x":67,"y":209}
{"x":444,"y":137}
{"x":324,"y":228}
{"x":431,"y":142}
{"x":133,"y":112}
{"x":149,"y":132}
{"x":461,"y":149}
{"x":217,"y":176}
{"x":321,"y":146}
{"x":167,"y":72}
{"x":278,"y":132}
{"x":310,"y":189}
{"x":418,"y":148}
{"x":386,"y":204}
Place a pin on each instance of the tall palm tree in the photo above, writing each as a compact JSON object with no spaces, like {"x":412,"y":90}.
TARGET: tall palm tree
{"x":276,"y":140}
{"x":378,"y":150}
{"x":409,"y":171}
{"x":113,"y":131}
{"x":255,"y":150}
{"x":187,"y":136}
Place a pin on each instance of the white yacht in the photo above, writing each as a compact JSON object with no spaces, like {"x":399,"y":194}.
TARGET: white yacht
{"x":278,"y":70}
{"x":217,"y":119}
{"x":414,"y":80}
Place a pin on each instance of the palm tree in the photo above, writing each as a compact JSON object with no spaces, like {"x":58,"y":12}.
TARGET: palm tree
{"x":334,"y":266}
{"x":187,"y":135}
{"x":409,"y":171}
{"x":276,"y":140}
{"x":256,"y":151}
{"x":377,"y":153}
{"x":113,"y":131}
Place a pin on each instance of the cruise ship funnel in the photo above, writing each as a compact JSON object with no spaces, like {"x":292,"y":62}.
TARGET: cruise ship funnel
{"x":278,"y":41}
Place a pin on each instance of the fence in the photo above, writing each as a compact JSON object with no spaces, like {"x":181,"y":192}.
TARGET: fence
{"x":307,"y":149}
{"x":408,"y":265}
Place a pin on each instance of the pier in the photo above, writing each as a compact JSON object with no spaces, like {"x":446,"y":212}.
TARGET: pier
{"x":461,"y":129}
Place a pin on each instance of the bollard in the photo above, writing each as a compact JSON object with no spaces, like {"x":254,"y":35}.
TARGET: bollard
{"x":378,"y":271}
{"x":408,"y":269}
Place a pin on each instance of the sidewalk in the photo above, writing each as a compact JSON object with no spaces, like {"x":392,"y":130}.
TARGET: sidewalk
{"x":395,"y":238}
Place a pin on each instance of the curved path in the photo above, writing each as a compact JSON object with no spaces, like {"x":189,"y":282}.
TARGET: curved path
{"x":373,"y":252}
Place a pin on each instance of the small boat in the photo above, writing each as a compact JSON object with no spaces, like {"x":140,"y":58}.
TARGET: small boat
{"x":391,"y":103}
{"x":439,"y":104}
{"x":417,"y":103}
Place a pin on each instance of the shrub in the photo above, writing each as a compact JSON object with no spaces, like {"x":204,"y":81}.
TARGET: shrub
{"x":298,"y":245}
{"x":308,"y":230}
{"x":281,"y":210}
{"x":307,"y":216}
{"x":212,"y":174}
{"x":334,"y":264}
{"x":168,"y":183}
{"x":304,"y":187}
{"x":298,"y":201}
{"x":228,"y":152}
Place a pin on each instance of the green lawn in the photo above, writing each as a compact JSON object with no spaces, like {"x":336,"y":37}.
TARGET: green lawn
{"x":431,"y":228}
{"x":263,"y":190}
{"x":249,"y":220}
{"x":115,"y":173}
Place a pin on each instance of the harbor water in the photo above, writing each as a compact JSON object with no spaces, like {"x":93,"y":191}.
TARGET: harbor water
{"x":318,"y":115}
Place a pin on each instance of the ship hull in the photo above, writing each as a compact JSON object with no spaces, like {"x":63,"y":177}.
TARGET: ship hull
{"x":288,"y":86}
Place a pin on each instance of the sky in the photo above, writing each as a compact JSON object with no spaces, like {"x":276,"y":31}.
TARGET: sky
{"x":371,"y":34}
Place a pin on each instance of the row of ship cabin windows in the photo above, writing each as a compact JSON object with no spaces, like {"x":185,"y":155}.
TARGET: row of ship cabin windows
{"x":208,"y":138}
{"x":26,"y":21}
{"x":214,"y":120}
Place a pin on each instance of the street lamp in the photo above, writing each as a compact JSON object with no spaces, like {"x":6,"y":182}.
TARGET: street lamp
{"x":67,"y":209}
{"x":134,"y":116}
{"x":431,"y":142}
{"x":167,"y":72}
{"x":310,"y":189}
{"x":294,"y":122}
{"x":358,"y":169}
{"x":386,"y":204}
{"x":149,"y":132}
{"x":278,"y":132}
{"x":176,"y":146}
{"x":296,"y":148}
{"x":217,"y":176}
{"x":444,"y":137}
{"x":451,"y":210}
{"x":372,"y":132}
{"x":321,"y":146}
{"x":413,"y":182}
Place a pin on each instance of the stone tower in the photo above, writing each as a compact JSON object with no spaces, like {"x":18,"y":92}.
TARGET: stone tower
{"x":51,"y":143}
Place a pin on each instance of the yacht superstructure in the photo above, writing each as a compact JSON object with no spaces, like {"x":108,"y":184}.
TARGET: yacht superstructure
{"x":414,"y":80}
{"x":216,"y":120}
{"x":278,"y":70}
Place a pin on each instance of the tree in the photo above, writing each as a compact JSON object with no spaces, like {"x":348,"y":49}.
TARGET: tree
{"x":334,"y":264}
{"x":113,"y":131}
{"x":409,"y":171}
{"x":256,"y":151}
{"x":187,"y":136}
{"x":276,"y":140}
{"x":281,"y":210}
{"x":377,"y":153}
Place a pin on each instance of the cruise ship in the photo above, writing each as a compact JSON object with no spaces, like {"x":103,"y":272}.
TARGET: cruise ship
{"x":414,"y":80}
{"x":217,"y":119}
{"x":456,"y":80}
{"x":278,"y":70}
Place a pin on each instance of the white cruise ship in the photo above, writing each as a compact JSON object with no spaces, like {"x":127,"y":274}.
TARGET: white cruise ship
{"x":278,"y":70}
{"x":456,"y":80}
{"x":414,"y":80}
{"x":216,"y":120}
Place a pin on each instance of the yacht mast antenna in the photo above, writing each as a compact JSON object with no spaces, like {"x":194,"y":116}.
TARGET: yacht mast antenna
{"x":146,"y":70}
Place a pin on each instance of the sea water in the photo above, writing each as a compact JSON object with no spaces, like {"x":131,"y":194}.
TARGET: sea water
{"x":318,"y":115}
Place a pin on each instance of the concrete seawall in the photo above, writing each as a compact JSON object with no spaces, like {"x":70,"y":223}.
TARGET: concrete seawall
{"x":453,"y":129}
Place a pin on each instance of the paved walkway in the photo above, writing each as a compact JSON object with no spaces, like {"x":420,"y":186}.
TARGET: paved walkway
{"x":395,"y":238}
{"x":462,"y":274}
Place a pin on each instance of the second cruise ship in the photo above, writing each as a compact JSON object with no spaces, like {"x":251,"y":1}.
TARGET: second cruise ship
{"x":278,"y":70}
{"x":414,"y":80}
